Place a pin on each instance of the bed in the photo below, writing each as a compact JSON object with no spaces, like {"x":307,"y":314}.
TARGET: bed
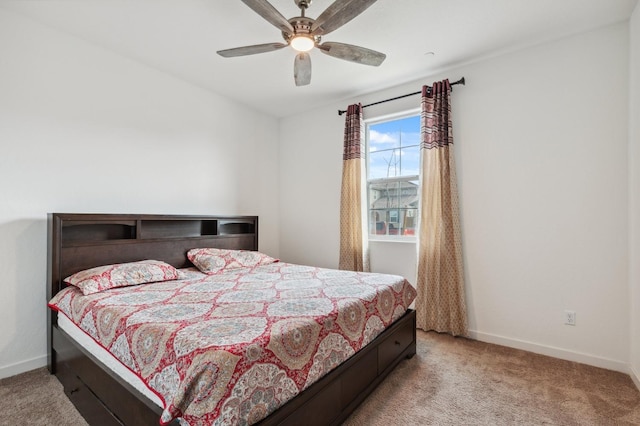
{"x":78,"y":242}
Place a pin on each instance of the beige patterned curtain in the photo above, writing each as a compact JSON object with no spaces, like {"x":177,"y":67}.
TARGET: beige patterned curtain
{"x":354,"y":250}
{"x":440,"y":304}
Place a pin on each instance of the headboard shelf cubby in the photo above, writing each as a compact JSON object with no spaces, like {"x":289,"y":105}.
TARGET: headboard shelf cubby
{"x":79,"y":231}
{"x":231,"y":227}
{"x":178,"y":228}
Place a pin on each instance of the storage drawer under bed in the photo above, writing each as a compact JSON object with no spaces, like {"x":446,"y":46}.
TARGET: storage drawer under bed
{"x":395,"y":344}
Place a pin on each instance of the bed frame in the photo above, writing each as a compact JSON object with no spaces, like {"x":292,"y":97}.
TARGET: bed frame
{"x":81,"y":241}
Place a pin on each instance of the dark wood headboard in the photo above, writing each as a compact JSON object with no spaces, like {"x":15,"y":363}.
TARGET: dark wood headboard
{"x":82,"y":241}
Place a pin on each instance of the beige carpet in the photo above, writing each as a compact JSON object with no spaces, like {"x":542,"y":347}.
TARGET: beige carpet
{"x":456,"y":381}
{"x":36,"y":398}
{"x":451,"y":381}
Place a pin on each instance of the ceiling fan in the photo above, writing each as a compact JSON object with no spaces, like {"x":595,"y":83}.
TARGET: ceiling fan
{"x":303,"y":34}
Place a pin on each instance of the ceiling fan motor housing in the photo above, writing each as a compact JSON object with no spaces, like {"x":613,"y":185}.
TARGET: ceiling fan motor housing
{"x":301,"y":27}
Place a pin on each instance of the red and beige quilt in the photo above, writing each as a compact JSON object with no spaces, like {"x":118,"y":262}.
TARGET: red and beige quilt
{"x":231,"y":348}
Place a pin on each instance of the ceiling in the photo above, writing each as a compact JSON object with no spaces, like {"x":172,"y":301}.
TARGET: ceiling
{"x":420,"y":38}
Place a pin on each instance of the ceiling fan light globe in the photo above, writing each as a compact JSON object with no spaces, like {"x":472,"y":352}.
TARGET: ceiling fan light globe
{"x":302,"y":43}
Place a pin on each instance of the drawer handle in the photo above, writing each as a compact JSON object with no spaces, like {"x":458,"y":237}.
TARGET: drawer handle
{"x":397,"y":343}
{"x":72,"y":391}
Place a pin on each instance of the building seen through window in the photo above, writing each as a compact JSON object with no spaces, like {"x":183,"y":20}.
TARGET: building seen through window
{"x":393,"y":164}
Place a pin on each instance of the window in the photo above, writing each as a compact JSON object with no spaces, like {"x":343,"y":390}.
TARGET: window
{"x":393,"y":170}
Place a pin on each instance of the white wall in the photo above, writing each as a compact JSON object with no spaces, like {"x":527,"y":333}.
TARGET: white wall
{"x":634,"y":192}
{"x":541,"y":149}
{"x":85,"y":130}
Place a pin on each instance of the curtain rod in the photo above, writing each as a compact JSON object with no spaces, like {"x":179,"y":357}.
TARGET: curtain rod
{"x":461,"y":81}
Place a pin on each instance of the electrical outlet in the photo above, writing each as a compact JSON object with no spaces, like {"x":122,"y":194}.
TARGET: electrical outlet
{"x":570,"y":317}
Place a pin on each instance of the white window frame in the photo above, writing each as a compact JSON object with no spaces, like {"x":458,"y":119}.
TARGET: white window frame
{"x":368,"y":124}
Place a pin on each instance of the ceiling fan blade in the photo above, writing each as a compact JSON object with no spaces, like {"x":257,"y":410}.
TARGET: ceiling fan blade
{"x":302,"y":69}
{"x":270,"y":13}
{"x":352,"y":53}
{"x":250,"y":50}
{"x":338,"y":14}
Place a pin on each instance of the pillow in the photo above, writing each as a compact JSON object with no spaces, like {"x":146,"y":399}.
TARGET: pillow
{"x":212,"y":261}
{"x":122,"y":274}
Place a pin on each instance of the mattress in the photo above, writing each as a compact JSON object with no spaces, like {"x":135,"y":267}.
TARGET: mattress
{"x":106,"y":358}
{"x":233,"y":347}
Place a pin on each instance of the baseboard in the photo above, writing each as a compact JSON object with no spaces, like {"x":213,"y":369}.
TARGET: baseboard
{"x":635,"y":376}
{"x":23,"y":366}
{"x":580,"y":357}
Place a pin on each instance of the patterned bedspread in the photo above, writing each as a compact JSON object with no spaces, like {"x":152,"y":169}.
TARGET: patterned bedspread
{"x":231,"y":348}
